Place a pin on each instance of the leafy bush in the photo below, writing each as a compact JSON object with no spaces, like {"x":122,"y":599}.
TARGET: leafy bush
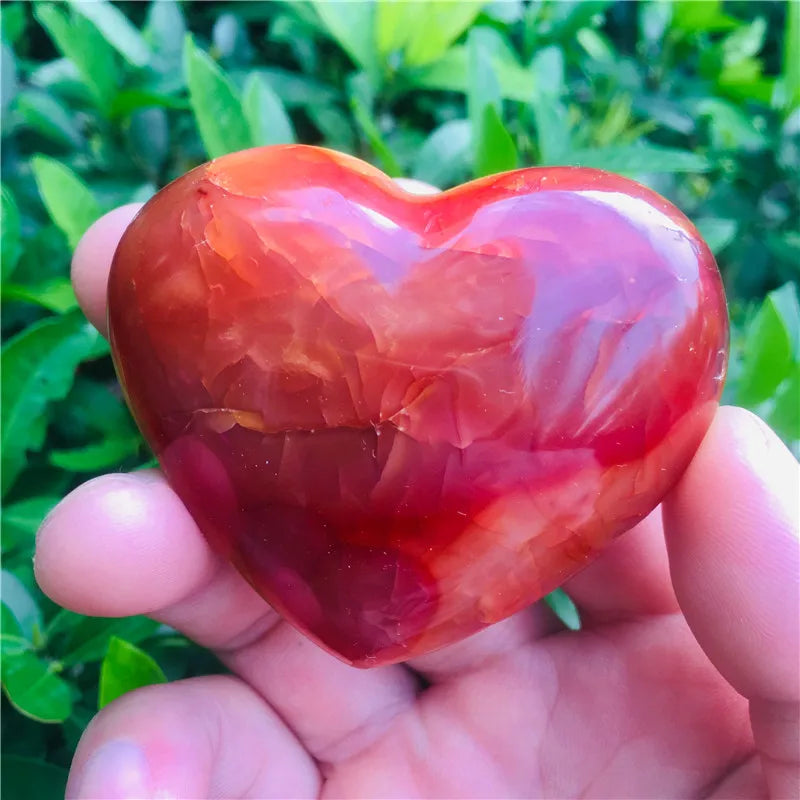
{"x":102,"y":104}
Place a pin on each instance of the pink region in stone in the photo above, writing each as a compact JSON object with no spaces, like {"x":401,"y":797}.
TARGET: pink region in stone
{"x":404,"y":418}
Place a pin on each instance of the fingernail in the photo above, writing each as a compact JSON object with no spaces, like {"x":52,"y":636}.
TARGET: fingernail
{"x":115,"y":771}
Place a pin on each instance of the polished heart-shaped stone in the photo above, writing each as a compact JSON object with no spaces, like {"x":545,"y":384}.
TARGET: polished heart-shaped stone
{"x":404,"y":418}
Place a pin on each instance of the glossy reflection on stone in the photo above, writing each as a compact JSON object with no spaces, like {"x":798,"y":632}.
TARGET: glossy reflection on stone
{"x":404,"y":418}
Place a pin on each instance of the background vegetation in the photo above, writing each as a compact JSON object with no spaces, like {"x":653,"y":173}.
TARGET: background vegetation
{"x":102,"y":104}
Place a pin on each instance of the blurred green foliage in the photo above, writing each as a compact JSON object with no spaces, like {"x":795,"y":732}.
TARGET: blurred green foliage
{"x":102,"y":104}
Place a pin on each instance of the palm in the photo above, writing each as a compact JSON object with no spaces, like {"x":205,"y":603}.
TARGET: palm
{"x":633,"y":709}
{"x":634,"y":705}
{"x":628,"y":707}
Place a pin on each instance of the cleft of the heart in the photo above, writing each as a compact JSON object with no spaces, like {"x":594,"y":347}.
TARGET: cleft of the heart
{"x":404,"y":418}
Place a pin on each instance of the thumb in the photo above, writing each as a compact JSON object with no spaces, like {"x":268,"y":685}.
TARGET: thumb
{"x":732,"y":533}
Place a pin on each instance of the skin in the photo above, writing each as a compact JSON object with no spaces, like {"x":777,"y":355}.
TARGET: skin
{"x":684,"y":681}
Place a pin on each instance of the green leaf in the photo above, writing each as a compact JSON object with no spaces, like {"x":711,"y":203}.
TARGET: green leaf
{"x":12,"y":639}
{"x":22,"y":777}
{"x":785,"y":414}
{"x":352,"y":25}
{"x":125,"y":668}
{"x":10,"y":233}
{"x":269,"y":123}
{"x":745,"y":42}
{"x":484,"y":92}
{"x":38,"y":367}
{"x":55,"y":294}
{"x":770,"y":346}
{"x":9,"y":83}
{"x":98,"y":456}
{"x":693,"y":16}
{"x":116,"y":29}
{"x":34,"y":689}
{"x":731,"y":127}
{"x":85,"y":639}
{"x":215,"y":102}
{"x":130,"y":100}
{"x":640,"y":158}
{"x":449,"y":73}
{"x":360,"y":105}
{"x":81,"y":42}
{"x":654,"y":17}
{"x":166,"y":32}
{"x":392,"y":28}
{"x":422,"y":29}
{"x":484,"y":88}
{"x":21,"y":603}
{"x":496,"y":150}
{"x":596,"y":46}
{"x":68,"y":200}
{"x":13,"y":21}
{"x":562,"y":606}
{"x":22,"y":519}
{"x":335,"y":126}
{"x":43,"y":113}
{"x":440,"y":25}
{"x":297,"y":90}
{"x":718,"y":232}
{"x":446,"y":156}
{"x":790,"y":76}
{"x":553,"y":131}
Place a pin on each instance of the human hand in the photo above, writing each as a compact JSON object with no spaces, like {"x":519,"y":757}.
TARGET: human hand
{"x":684,"y":681}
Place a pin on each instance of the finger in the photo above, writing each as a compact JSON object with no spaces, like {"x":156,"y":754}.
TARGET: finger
{"x":732,"y":533}
{"x":203,"y":737}
{"x":91,"y":262}
{"x":630,"y":578}
{"x":125,"y":544}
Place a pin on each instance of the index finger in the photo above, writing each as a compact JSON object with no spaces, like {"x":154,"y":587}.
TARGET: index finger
{"x":91,"y":262}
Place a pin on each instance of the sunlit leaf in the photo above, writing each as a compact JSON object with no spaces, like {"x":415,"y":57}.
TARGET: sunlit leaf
{"x":215,"y":102}
{"x":83,"y":44}
{"x":785,"y":413}
{"x":770,"y":346}
{"x":496,"y":150}
{"x":125,"y":668}
{"x":449,"y":73}
{"x":68,"y":199}
{"x":790,"y":76}
{"x":423,"y":29}
{"x":269,"y":123}
{"x":116,"y":29}
{"x":352,"y":26}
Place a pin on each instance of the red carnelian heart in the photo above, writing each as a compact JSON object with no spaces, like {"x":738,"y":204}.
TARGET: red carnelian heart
{"x":404,"y":418}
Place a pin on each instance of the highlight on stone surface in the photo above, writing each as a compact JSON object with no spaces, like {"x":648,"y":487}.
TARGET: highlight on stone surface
{"x":405,"y":418}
